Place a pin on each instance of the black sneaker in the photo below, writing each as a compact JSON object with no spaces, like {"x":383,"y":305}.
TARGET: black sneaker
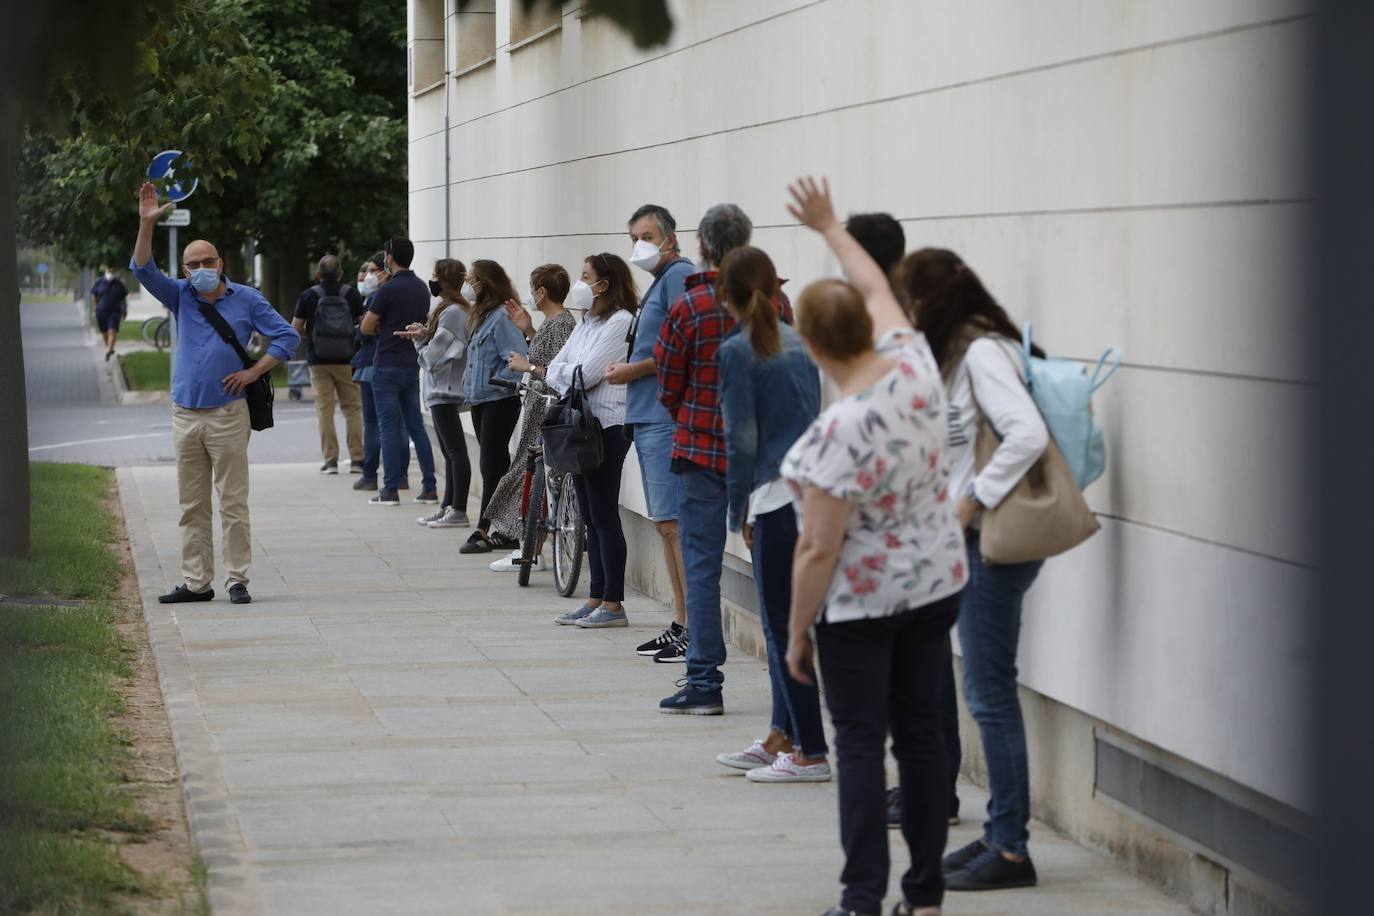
{"x":238,"y":594}
{"x":692,"y":702}
{"x":992,"y":871}
{"x":959,"y":859}
{"x":675,"y":652}
{"x":477,"y":542}
{"x":841,"y":911}
{"x":429,"y":496}
{"x":365,"y":483}
{"x":659,"y":642}
{"x":894,"y":806}
{"x":182,"y":593}
{"x":355,"y":467}
{"x":329,"y":467}
{"x":386,"y":498}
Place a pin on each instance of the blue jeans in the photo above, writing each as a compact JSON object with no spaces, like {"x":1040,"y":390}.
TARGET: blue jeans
{"x":701,"y":527}
{"x":397,"y":395}
{"x":372,"y":442}
{"x":796,"y":706}
{"x":654,"y":445}
{"x":989,"y":630}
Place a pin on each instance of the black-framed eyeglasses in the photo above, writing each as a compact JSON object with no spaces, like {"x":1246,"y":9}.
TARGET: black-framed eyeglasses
{"x":197,"y":265}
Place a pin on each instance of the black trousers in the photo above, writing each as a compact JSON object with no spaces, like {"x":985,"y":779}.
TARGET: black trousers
{"x":495,"y":422}
{"x":888,"y":673}
{"x":453,"y":443}
{"x":598,"y":496}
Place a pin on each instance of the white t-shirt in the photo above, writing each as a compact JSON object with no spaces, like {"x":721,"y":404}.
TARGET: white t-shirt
{"x":992,"y":370}
{"x":883,"y":451}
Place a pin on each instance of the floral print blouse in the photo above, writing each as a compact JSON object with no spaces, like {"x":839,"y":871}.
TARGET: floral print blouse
{"x":883,"y":451}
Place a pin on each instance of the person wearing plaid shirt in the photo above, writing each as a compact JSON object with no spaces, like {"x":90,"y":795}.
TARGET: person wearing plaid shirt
{"x":689,"y":386}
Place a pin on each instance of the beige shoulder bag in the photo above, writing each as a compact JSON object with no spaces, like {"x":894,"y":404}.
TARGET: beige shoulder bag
{"x":1043,"y":516}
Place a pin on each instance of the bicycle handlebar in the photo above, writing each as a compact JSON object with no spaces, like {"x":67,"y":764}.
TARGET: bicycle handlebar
{"x":505,"y":383}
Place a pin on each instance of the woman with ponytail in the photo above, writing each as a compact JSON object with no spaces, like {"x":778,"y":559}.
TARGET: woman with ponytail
{"x":770,"y":393}
{"x":441,"y":344}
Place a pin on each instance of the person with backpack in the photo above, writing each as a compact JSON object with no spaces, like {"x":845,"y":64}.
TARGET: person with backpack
{"x":327,"y":317}
{"x":979,"y":352}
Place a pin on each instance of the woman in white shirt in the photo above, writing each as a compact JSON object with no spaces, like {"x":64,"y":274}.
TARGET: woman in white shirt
{"x":598,"y":341}
{"x":979,"y":353}
{"x":881,"y":560}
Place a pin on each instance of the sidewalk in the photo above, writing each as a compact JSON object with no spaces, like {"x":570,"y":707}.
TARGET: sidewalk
{"x":392,"y":728}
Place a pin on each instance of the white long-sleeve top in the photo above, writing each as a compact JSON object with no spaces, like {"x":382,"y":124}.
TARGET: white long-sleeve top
{"x":595,"y":344}
{"x":990,"y":377}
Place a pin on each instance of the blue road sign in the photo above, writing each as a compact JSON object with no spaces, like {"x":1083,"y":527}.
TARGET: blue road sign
{"x":161,"y":168}
{"x":42,"y":267}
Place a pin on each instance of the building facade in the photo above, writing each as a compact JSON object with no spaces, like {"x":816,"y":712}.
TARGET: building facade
{"x":1120,"y":172}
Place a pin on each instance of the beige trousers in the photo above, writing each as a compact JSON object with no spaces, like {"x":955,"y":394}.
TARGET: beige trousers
{"x":331,"y":383}
{"x":212,"y":446}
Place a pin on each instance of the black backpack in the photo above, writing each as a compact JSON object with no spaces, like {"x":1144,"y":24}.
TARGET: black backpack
{"x":331,"y":333}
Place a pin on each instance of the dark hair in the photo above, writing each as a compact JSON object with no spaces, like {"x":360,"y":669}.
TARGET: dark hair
{"x":328,"y":267}
{"x":834,"y":319}
{"x":749,"y":283}
{"x":402,"y":251}
{"x":881,"y":236}
{"x":554,"y":279}
{"x":621,"y":291}
{"x":666,"y":224}
{"x":496,"y":290}
{"x":950,"y":305}
{"x":722,"y":229}
{"x":378,"y":260}
{"x":450,"y":273}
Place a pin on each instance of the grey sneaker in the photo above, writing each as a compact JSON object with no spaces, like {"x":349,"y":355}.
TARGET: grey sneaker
{"x":604,"y":617}
{"x":451,"y":518}
{"x":572,"y":617}
{"x":427,"y":520}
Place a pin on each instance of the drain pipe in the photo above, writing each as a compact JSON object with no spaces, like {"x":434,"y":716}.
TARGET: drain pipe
{"x":448,"y":232}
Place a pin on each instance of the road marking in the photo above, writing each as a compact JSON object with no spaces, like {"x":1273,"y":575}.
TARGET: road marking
{"x":39,"y":448}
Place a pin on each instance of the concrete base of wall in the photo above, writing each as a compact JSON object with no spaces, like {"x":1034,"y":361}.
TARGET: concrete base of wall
{"x":1064,"y":792}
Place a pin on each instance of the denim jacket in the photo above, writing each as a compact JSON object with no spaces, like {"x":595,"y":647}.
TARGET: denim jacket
{"x":767,"y":405}
{"x":489,"y":348}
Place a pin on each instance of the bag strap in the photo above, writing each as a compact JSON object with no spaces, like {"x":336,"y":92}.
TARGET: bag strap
{"x":1112,"y":355}
{"x":1026,"y":353}
{"x":212,"y":315}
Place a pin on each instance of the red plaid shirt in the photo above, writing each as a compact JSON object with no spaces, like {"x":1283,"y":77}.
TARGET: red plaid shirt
{"x":689,"y":373}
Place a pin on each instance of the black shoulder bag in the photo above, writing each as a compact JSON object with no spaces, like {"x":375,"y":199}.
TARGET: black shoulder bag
{"x":259,"y":394}
{"x":572,"y":435}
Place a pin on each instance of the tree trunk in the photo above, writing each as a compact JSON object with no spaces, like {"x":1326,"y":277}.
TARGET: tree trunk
{"x":14,"y":445}
{"x":233,"y":263}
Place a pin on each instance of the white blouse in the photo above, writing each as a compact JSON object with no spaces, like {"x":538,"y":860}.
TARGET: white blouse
{"x":595,"y":344}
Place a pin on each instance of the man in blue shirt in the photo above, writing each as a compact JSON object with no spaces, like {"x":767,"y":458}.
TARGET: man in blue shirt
{"x":402,"y":301}
{"x":210,"y":425}
{"x":653,"y":233}
{"x":111,"y":306}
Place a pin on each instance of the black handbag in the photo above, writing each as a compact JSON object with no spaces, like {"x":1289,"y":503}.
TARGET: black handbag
{"x":572,"y":435}
{"x":259,"y":394}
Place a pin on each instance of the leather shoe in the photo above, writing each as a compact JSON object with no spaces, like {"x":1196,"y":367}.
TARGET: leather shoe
{"x":182,"y":593}
{"x":238,"y":594}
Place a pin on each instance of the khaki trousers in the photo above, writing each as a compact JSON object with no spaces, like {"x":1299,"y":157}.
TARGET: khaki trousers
{"x":212,"y":446}
{"x":336,"y":382}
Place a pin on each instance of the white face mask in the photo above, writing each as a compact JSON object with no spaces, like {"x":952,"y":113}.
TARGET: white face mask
{"x":109,"y":275}
{"x":645,"y":255}
{"x":579,"y":297}
{"x":469,"y":293}
{"x":529,"y":303}
{"x":369,"y":284}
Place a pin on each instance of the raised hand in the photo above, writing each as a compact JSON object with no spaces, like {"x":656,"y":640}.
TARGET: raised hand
{"x":519,"y":317}
{"x":149,"y":210}
{"x":812,"y":203}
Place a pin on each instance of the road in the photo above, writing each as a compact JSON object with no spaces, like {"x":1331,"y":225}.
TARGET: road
{"x":73,"y":415}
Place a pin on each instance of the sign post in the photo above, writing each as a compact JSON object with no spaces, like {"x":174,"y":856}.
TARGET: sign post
{"x":161,"y":169}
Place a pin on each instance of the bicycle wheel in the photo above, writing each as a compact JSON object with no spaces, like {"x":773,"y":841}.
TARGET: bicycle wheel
{"x":569,"y":539}
{"x":148,"y":330}
{"x":533,"y":543}
{"x":162,"y":338}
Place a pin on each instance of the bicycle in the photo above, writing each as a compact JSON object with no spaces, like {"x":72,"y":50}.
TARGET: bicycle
{"x":157,"y":331}
{"x":548,"y":508}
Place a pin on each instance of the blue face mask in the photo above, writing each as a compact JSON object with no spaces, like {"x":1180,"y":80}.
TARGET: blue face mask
{"x":205,"y":279}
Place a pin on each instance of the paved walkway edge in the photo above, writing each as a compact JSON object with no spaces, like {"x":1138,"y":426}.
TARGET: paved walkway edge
{"x":215,"y":833}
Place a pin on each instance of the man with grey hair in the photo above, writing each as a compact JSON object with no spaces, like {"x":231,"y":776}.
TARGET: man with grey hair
{"x":689,"y":387}
{"x":327,"y":316}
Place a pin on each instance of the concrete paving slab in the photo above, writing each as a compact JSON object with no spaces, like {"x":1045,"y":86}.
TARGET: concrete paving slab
{"x":393,"y":728}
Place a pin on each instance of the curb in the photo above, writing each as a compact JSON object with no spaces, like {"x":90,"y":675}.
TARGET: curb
{"x":231,"y":885}
{"x":115,"y":370}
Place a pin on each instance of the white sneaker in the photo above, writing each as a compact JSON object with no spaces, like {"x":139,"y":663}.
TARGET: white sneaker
{"x":426,"y":520}
{"x":512,"y":563}
{"x":751,"y":758}
{"x":786,"y":769}
{"x":451,"y":518}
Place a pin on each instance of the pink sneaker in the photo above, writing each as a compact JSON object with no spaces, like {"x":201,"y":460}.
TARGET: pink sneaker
{"x":750,"y":759}
{"x":786,"y":769}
